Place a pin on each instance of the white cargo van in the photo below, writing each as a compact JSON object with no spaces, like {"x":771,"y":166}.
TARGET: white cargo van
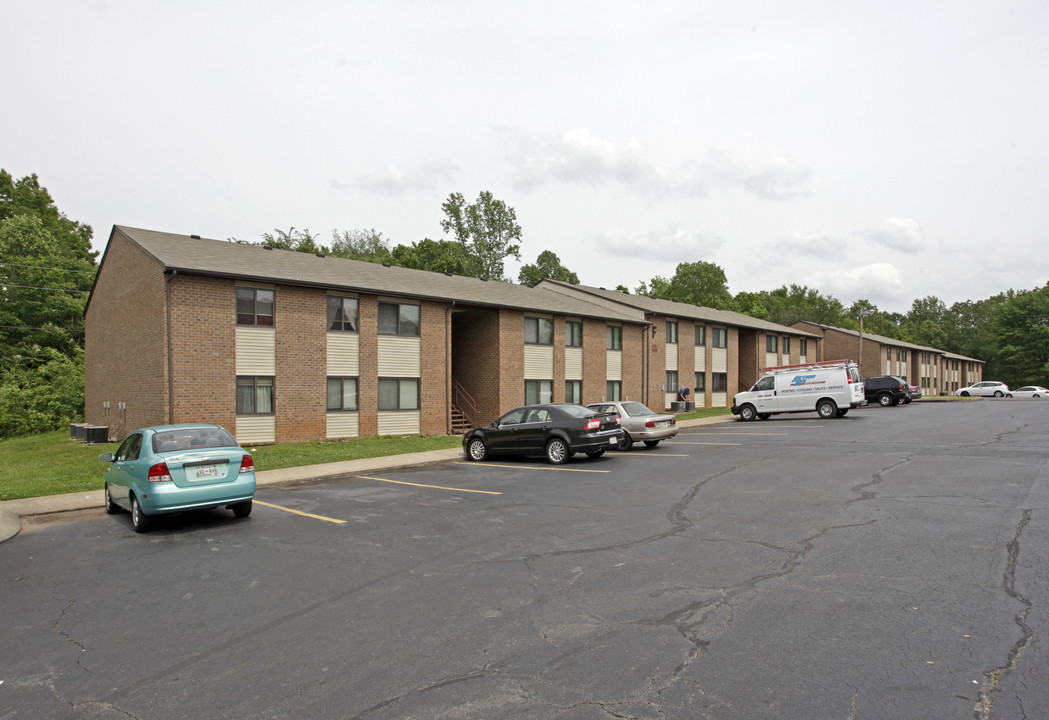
{"x":830,"y":388}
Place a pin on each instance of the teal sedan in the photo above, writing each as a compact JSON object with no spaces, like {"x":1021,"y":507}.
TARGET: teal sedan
{"x":168,"y":469}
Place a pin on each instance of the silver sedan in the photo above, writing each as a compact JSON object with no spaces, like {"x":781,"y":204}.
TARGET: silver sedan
{"x":640,"y":423}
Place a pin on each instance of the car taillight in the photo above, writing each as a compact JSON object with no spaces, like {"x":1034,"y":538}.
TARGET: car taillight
{"x":650,"y":424}
{"x":247,"y":464}
{"x":159,"y":473}
{"x":592,"y":424}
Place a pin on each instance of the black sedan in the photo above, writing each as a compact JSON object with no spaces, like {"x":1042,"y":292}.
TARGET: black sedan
{"x":558,"y":431}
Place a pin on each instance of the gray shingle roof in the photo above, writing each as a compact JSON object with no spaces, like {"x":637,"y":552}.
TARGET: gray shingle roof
{"x":669,"y":308}
{"x":884,"y":340}
{"x":200,"y":256}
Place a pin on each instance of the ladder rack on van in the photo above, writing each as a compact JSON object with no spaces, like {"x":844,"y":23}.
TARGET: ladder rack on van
{"x":802,"y":366}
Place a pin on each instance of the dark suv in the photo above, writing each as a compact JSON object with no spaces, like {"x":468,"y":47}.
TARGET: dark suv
{"x":886,"y":390}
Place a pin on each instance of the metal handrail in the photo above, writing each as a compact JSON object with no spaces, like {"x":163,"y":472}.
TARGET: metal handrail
{"x":464,"y":402}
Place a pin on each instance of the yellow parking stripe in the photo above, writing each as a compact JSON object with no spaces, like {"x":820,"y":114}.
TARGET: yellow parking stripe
{"x":435,"y":487}
{"x":704,"y":443}
{"x":529,"y":467}
{"x":299,"y":512}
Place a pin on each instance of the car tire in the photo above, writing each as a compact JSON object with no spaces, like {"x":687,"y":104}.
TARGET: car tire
{"x":748,"y":413}
{"x":557,"y":451}
{"x":651,"y":443}
{"x":826,"y":409}
{"x":242,"y":510}
{"x":111,"y":507}
{"x":885,"y":400}
{"x":906,"y":401}
{"x":626,"y":443}
{"x":998,"y":393}
{"x":595,"y":453}
{"x":476,"y":450}
{"x":842,"y":413}
{"x":764,"y":416}
{"x":139,"y":520}
{"x":1034,"y":396}
{"x":964,"y":393}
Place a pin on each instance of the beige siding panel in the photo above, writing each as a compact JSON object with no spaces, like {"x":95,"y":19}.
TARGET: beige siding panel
{"x":573,"y":363}
{"x":344,"y":354}
{"x":400,"y":422}
{"x":538,"y":362}
{"x":701,"y":358}
{"x":256,"y":429}
{"x":719,"y":400}
{"x":256,"y":351}
{"x":719,"y":362}
{"x":771,"y":359}
{"x":803,"y":359}
{"x":399,"y":356}
{"x":671,"y":356}
{"x":343,"y":424}
{"x":669,"y":398}
{"x":614,"y":365}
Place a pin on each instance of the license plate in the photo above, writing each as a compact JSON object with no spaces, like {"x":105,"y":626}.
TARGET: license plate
{"x":613,"y":441}
{"x":205,"y":471}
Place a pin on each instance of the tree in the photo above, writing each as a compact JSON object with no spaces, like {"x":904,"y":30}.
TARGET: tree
{"x":925,"y":323}
{"x":1022,"y":330}
{"x":547,"y":267}
{"x":790,"y":304}
{"x":297,"y":240}
{"x":365,"y":245}
{"x":487,"y":230}
{"x":27,"y":197}
{"x":446,"y":256}
{"x":697,"y":283}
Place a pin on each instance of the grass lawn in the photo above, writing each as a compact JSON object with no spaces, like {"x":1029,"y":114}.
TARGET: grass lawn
{"x":52,"y":464}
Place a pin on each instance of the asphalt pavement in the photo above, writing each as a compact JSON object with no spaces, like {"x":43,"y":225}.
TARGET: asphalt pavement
{"x":11,"y":511}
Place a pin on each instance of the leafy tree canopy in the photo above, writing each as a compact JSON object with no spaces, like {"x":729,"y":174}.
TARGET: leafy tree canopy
{"x":547,"y":267}
{"x":445,"y":256}
{"x":366,"y":245}
{"x":696,"y":283}
{"x":487,"y":230}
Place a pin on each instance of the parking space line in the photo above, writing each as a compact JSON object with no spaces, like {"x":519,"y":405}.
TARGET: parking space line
{"x":434,"y":487}
{"x":705,"y":443}
{"x":300,"y":512}
{"x":528,"y":467}
{"x":655,"y":454}
{"x":736,"y":433}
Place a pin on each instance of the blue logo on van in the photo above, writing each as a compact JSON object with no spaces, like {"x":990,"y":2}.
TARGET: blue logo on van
{"x":800,"y":380}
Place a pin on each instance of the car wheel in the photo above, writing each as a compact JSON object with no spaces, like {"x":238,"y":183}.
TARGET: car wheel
{"x":1035,"y":396}
{"x":964,"y":393}
{"x":242,"y":510}
{"x":748,"y":413}
{"x":626,"y":443}
{"x":139,"y":520}
{"x":764,"y":416}
{"x":595,"y":453}
{"x":477,"y":450}
{"x":998,"y":393}
{"x":842,"y":413}
{"x":111,"y":507}
{"x":826,"y":409}
{"x":651,"y":443}
{"x":906,"y":401}
{"x":557,"y":452}
{"x":885,"y":400}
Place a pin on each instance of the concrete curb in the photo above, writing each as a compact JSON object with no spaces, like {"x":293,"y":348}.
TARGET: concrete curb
{"x":11,"y":511}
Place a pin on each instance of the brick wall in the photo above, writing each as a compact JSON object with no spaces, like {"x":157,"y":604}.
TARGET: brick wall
{"x":595,"y":360}
{"x":300,"y":321}
{"x":435,"y":339}
{"x":125,"y":341}
{"x":633,"y":357}
{"x":511,"y":360}
{"x":475,"y":360}
{"x":751,"y":353}
{"x":368,"y":380}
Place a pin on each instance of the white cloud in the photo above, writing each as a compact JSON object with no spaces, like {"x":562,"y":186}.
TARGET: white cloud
{"x":580,"y":157}
{"x":394,"y":182}
{"x":814,"y":244}
{"x":670,"y":245}
{"x":901,"y":234}
{"x":881,"y":283}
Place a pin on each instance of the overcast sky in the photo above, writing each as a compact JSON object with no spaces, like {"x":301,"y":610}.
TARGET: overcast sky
{"x":887,"y":151}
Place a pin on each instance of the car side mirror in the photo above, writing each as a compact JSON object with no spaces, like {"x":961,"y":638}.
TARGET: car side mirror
{"x":106,"y":457}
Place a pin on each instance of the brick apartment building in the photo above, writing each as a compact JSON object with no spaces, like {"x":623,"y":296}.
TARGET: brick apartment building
{"x":934,"y":371}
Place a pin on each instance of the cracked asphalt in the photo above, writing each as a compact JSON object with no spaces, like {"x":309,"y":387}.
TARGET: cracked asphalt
{"x":889,"y":564}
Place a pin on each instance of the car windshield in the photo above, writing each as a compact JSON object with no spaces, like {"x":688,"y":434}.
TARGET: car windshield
{"x":192,"y":439}
{"x":577,"y":410}
{"x":636,"y":409}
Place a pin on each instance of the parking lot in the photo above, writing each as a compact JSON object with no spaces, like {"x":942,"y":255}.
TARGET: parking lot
{"x":888,"y":564}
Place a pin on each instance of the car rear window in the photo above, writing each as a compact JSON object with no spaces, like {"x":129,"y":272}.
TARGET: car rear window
{"x":192,"y":439}
{"x":636,"y":409}
{"x":577,"y":410}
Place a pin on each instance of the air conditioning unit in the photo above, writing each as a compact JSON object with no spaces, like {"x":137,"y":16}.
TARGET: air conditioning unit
{"x":96,"y":434}
{"x":77,"y":431}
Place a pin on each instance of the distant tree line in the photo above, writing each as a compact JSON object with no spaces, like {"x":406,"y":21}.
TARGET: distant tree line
{"x":47,"y":269}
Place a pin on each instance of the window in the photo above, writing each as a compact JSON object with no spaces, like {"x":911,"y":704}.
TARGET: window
{"x":701,"y":334}
{"x":672,"y":385}
{"x":342,"y":393}
{"x":803,"y":346}
{"x":719,"y":382}
{"x":671,"y":331}
{"x":573,"y":333}
{"x":254,"y":307}
{"x":131,"y":448}
{"x":903,"y":354}
{"x":771,"y":343}
{"x":398,"y":319}
{"x":786,"y":346}
{"x":614,"y":390}
{"x":342,"y":313}
{"x":719,"y":336}
{"x":398,"y":393}
{"x":615,"y":337}
{"x":766,"y":383}
{"x":254,"y":395}
{"x":539,"y":391}
{"x":574,"y":391}
{"x":888,"y":354}
{"x":539,"y":331}
{"x":701,"y":382}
